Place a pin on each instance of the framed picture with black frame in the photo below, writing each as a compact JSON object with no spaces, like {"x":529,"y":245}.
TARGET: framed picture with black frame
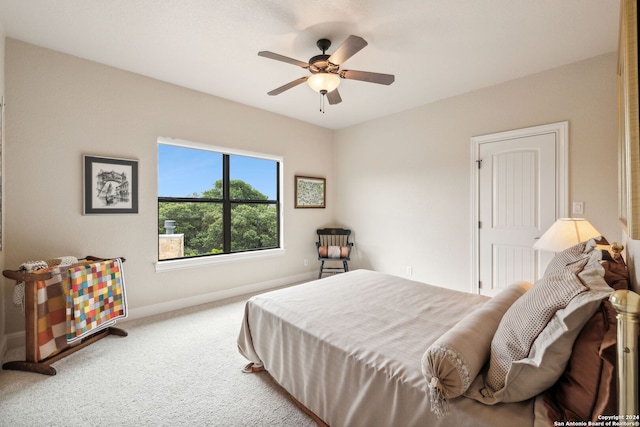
{"x":110,"y":185}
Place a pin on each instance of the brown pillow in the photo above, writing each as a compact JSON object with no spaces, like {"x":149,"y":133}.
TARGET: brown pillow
{"x":615,"y":273}
{"x":587,"y":388}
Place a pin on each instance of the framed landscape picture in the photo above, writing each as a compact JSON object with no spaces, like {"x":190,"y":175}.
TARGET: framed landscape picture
{"x":110,"y":185}
{"x":310,"y":192}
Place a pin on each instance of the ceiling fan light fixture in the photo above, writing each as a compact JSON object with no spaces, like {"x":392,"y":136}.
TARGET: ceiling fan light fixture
{"x":320,"y":82}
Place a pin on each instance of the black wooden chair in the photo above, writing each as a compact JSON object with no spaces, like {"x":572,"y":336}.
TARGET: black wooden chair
{"x":333,"y":245}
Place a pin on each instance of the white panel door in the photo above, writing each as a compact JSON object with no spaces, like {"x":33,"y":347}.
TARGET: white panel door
{"x":517,"y":187}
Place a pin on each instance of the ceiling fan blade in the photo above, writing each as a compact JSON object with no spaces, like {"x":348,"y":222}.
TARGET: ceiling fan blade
{"x":282,"y":58}
{"x":365,"y":76}
{"x":351,"y":46}
{"x":334,"y":97}
{"x":288,"y":86}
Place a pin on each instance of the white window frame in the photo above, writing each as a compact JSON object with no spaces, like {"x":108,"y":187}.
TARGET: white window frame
{"x":177,"y":264}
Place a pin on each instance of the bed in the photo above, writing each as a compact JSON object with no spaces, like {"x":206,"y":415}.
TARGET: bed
{"x":370,"y":349}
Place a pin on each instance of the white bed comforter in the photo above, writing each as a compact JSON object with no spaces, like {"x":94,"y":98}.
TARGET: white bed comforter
{"x":349,"y":348}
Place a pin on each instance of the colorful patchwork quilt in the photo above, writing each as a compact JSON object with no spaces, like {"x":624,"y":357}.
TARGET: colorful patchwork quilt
{"x":52,"y":320}
{"x":96,"y":297}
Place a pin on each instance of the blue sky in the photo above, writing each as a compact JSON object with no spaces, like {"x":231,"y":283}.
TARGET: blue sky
{"x":183,"y":171}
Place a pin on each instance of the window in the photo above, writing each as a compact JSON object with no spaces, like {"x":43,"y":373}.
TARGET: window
{"x":214,"y":201}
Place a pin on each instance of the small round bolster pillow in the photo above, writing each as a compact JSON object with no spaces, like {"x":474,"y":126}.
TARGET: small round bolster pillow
{"x":337,"y":252}
{"x":453,"y":361}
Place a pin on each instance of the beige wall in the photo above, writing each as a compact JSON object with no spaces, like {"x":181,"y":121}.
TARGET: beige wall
{"x":405,"y":180}
{"x":60,"y":107}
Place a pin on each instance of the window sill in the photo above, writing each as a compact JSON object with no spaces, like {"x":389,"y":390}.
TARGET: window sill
{"x":178,"y":264}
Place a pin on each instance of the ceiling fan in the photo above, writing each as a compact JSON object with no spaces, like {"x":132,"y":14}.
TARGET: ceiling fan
{"x":325,"y":69}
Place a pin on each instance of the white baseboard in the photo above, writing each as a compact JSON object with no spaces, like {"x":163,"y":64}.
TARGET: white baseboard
{"x":16,"y":339}
{"x":3,"y":347}
{"x":165,"y":307}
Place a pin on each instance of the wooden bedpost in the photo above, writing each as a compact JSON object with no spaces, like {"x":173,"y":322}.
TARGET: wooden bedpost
{"x":627,"y":305}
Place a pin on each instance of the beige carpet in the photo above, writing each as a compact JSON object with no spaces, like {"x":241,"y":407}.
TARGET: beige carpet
{"x":176,"y":369}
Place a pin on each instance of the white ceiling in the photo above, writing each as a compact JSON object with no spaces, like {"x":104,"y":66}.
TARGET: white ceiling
{"x":435,"y":48}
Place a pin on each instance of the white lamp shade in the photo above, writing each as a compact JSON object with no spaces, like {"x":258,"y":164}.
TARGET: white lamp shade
{"x":323,"y":81}
{"x":564,"y":233}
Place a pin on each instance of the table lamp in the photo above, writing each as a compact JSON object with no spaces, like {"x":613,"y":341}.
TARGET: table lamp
{"x":564,"y":233}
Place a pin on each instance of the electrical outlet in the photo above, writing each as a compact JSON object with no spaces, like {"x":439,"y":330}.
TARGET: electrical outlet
{"x":305,"y":262}
{"x":409,"y":270}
